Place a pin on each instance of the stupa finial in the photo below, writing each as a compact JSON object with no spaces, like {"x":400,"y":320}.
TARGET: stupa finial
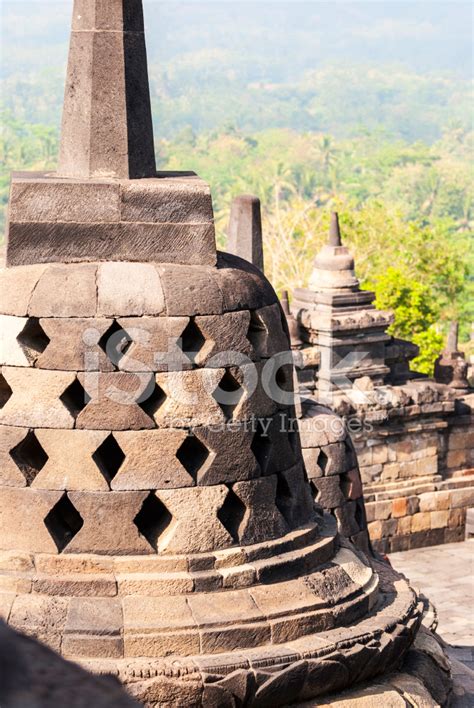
{"x":334,"y":230}
{"x":107,"y":125}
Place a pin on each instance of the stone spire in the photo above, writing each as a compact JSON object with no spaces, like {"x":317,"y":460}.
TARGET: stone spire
{"x":245,"y":229}
{"x":334,"y":264}
{"x":451,"y":366}
{"x":107,"y":125}
{"x":334,"y":230}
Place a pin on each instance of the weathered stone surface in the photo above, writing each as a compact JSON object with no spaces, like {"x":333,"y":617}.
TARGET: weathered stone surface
{"x":41,"y":409}
{"x":267,"y":333}
{"x":11,"y":352}
{"x":74,"y":344}
{"x":223,"y":334}
{"x":262,"y":518}
{"x":126,"y":289}
{"x":329,"y":492}
{"x":70,"y":463}
{"x":16,"y":287}
{"x":22,"y":514}
{"x":108,"y":523}
{"x":230,"y":456}
{"x":245,"y":230}
{"x":10,"y":473}
{"x":189,"y":398}
{"x":169,"y":199}
{"x":76,"y":289}
{"x":93,"y":627}
{"x":150,"y":460}
{"x":190,"y":291}
{"x":155,"y":344}
{"x":38,"y":197}
{"x":195,"y":526}
{"x":242,"y":285}
{"x":77,"y":242}
{"x":118,"y":401}
{"x":294,"y":496}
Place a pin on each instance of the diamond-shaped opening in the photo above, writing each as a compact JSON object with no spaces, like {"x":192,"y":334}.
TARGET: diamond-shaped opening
{"x":151,"y":402}
{"x":109,"y":457}
{"x":75,"y":398}
{"x":261,"y":446}
{"x":29,"y":456}
{"x":257,"y":332}
{"x":231,"y":514}
{"x":192,"y":454}
{"x":5,"y":391}
{"x":322,"y":460}
{"x":228,"y":394}
{"x":152,"y":519}
{"x":314,"y":490}
{"x":32,"y":338}
{"x":115,"y":343}
{"x":192,"y":340}
{"x":63,"y":522}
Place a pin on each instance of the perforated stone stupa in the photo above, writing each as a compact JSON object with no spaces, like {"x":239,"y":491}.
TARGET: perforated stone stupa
{"x":156,"y":520}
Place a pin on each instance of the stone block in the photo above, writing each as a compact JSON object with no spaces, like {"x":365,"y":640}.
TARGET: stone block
{"x":75,"y":585}
{"x":77,"y":242}
{"x":11,"y":351}
{"x":399,"y":507}
{"x":86,"y":646}
{"x":404,"y":525}
{"x":154,"y":344}
{"x":434,"y":501}
{"x":83,"y":565}
{"x":230,"y":458}
{"x":242,"y":284}
{"x":189,"y":398}
{"x":118,"y":401}
{"x":154,"y":584}
{"x":39,"y":198}
{"x":22,"y":514}
{"x":224,"y":608}
{"x":98,"y":616}
{"x":351,"y":484}
{"x":36,"y":400}
{"x":190,"y":291}
{"x":11,"y":474}
{"x":262,"y":520}
{"x":126,"y":289}
{"x":456,"y":518}
{"x":462,"y":497}
{"x":294,"y":498}
{"x":16,"y":287}
{"x":185,"y":199}
{"x":65,"y":291}
{"x":346,"y":521}
{"x":40,"y":615}
{"x":16,"y":561}
{"x":329,"y":492}
{"x":162,"y":644}
{"x":456,"y":459}
{"x":375,"y":529}
{"x":224,"y":333}
{"x":420,"y":522}
{"x":70,"y":463}
{"x":380,"y":454}
{"x":461,"y":440}
{"x":267,"y":333}
{"x":439,"y":519}
{"x":108,"y":526}
{"x":151,"y":460}
{"x":147,"y":615}
{"x":195,"y":526}
{"x":74,"y":344}
{"x":389,"y":527}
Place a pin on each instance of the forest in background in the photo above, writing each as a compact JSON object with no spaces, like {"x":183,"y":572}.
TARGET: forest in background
{"x":390,"y":146}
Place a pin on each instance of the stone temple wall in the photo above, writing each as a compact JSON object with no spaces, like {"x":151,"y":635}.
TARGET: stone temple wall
{"x":418,"y":480}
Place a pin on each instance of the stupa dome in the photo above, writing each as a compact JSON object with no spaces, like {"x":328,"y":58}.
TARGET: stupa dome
{"x":156,"y":518}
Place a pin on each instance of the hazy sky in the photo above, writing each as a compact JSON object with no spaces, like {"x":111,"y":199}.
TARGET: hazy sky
{"x":424,"y":35}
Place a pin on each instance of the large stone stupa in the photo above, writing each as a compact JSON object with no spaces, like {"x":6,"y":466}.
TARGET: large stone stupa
{"x":156,"y":520}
